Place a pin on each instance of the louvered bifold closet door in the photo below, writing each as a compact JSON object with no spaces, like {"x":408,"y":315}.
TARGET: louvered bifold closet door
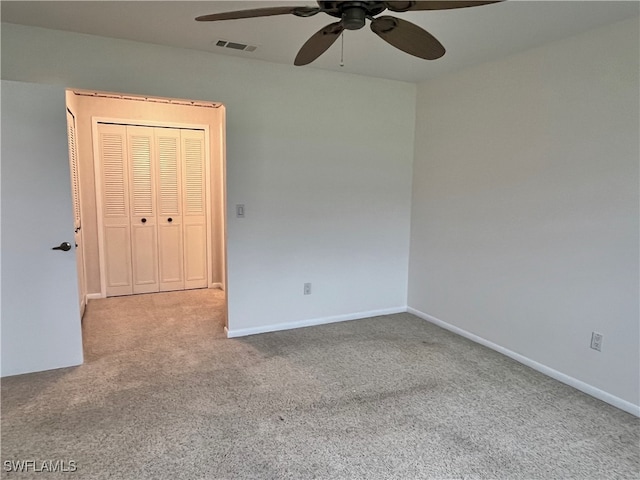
{"x":170,"y":231}
{"x":73,"y":164}
{"x":194,"y":209}
{"x":112,"y":153}
{"x":77,"y":221}
{"x":144,"y":241}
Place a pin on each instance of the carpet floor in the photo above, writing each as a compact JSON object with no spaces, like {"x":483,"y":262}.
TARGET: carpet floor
{"x":164,"y":395}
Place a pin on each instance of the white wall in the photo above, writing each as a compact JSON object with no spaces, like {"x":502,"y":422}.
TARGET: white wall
{"x":321,"y":160}
{"x":525,"y":206}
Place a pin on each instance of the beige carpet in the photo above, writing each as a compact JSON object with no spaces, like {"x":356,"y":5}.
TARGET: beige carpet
{"x":163,"y":395}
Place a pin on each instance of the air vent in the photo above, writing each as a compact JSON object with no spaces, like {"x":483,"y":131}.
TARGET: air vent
{"x":235,"y":46}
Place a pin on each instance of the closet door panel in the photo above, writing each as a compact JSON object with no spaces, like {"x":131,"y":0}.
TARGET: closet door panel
{"x":170,"y":224}
{"x":112,"y":154}
{"x":195,"y":207}
{"x":145,"y":259}
{"x":144,"y":238}
{"x":118,"y":267}
{"x":195,"y":255}
{"x":171,"y":261}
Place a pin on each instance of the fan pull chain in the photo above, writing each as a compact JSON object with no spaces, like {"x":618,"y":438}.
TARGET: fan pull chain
{"x":342,"y":51}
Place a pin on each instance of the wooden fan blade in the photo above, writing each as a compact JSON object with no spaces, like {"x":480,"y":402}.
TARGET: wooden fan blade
{"x":408,"y":37}
{"x":260,"y":12}
{"x":434,"y":5}
{"x":318,"y":43}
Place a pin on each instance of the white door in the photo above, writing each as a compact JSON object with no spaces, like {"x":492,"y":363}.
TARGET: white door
{"x":154,"y":210}
{"x":170,"y":232}
{"x":195,"y":209}
{"x":144,"y":243}
{"x":40,"y":318}
{"x":111,"y":150}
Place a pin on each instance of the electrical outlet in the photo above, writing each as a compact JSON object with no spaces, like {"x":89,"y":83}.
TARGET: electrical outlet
{"x":307,"y":289}
{"x":596,"y":341}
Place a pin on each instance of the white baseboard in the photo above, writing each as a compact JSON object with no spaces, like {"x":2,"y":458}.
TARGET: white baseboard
{"x":242,"y":332}
{"x":93,"y":296}
{"x":550,"y":372}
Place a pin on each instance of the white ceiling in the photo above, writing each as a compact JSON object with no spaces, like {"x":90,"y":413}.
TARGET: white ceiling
{"x":470,"y":35}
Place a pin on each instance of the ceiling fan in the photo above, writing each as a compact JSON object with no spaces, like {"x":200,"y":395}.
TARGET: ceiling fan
{"x":403,"y":35}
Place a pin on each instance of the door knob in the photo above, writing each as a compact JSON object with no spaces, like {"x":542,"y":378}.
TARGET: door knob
{"x":64,"y":246}
{"x":169,"y":219}
{"x":144,"y":220}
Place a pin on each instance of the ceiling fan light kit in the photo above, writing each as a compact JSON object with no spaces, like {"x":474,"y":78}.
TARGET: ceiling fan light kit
{"x":403,"y":35}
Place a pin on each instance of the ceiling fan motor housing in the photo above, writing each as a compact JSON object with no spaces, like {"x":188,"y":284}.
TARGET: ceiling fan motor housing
{"x":353,"y":18}
{"x":353,"y":14}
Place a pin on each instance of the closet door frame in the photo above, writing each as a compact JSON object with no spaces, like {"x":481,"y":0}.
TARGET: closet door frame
{"x":98,"y":185}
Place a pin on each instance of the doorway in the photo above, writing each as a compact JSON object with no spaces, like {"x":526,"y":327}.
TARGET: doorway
{"x":156,"y":118}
